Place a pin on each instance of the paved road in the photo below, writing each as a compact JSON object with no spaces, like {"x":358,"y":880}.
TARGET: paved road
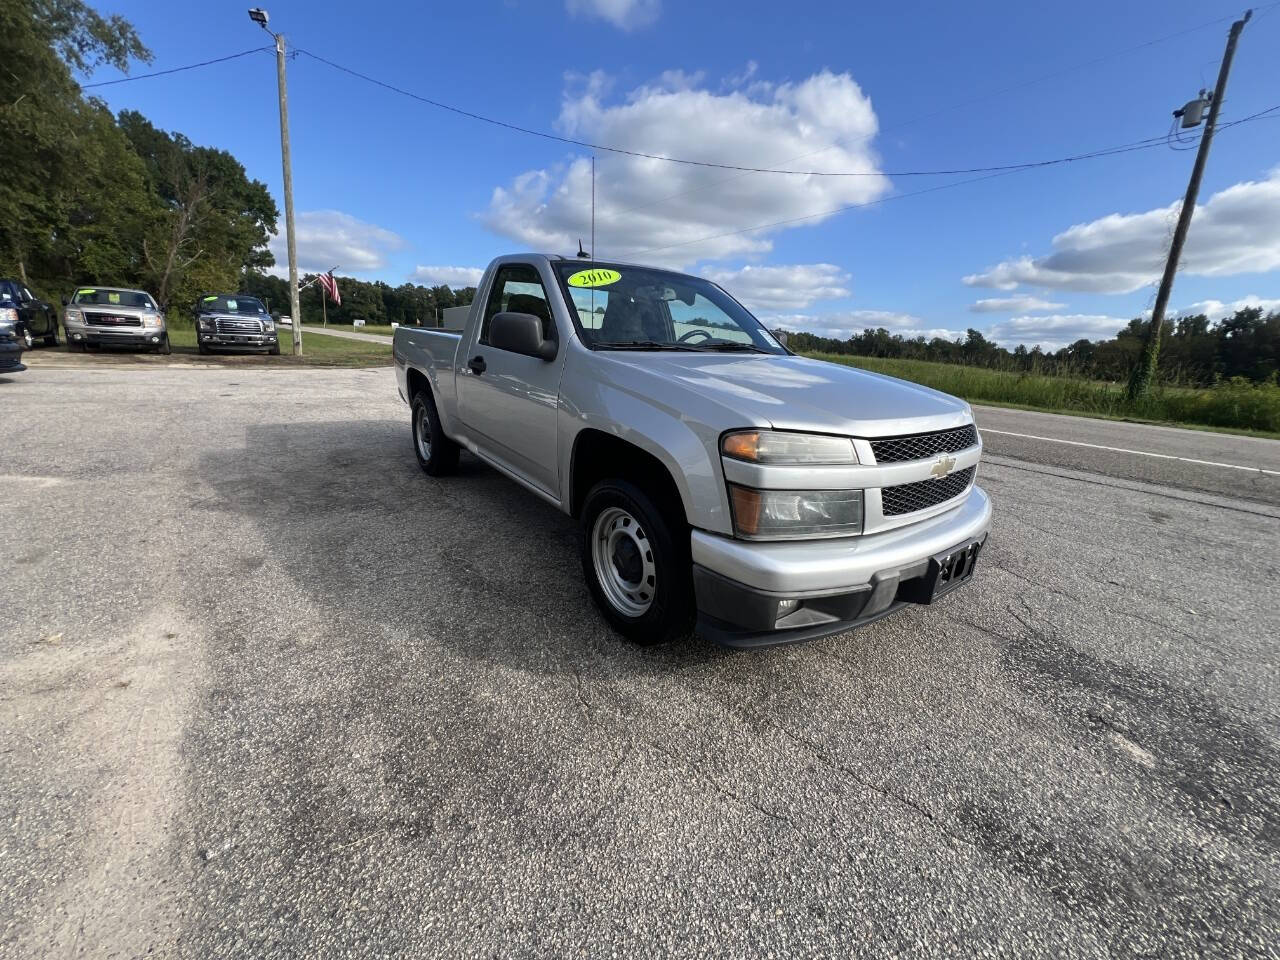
{"x":268,"y":691}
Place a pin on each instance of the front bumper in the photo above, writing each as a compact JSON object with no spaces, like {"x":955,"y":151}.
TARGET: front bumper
{"x":238,"y":341}
{"x":136,"y":337}
{"x":11,"y":356}
{"x":840,"y":583}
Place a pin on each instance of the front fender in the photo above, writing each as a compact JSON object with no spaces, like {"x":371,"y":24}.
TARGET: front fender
{"x":686,"y":443}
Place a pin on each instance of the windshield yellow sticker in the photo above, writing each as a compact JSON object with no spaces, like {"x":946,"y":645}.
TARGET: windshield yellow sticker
{"x":85,"y":293}
{"x":594,"y":278}
{"x":210,"y":299}
{"x":113,"y":297}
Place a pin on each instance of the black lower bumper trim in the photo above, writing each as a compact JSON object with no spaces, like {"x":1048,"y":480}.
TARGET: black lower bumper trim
{"x":727,"y":635}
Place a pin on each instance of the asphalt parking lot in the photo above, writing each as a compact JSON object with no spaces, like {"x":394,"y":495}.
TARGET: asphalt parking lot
{"x":269,"y":691}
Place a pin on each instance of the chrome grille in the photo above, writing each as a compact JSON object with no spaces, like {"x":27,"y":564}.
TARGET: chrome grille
{"x":910,"y":497}
{"x":111,"y":320}
{"x":245,"y":325}
{"x":918,"y":446}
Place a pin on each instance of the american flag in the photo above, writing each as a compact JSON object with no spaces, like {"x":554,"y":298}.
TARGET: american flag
{"x":330,"y":287}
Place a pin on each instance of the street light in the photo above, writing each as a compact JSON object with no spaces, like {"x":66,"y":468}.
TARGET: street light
{"x":259,"y":16}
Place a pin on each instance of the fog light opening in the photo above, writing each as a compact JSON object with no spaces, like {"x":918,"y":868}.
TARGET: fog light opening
{"x":787,"y":607}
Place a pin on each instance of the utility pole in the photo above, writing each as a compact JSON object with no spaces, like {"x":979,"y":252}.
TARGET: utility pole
{"x":259,"y":16}
{"x":1144,"y":373}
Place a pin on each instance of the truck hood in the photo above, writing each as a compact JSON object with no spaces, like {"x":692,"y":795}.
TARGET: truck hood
{"x":796,"y":393}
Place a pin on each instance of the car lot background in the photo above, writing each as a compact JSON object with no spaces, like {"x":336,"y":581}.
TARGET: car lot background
{"x":270,"y":691}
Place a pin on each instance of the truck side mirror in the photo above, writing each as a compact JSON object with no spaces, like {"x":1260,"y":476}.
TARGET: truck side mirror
{"x":66,"y":301}
{"x":520,"y":333}
{"x":780,"y":336}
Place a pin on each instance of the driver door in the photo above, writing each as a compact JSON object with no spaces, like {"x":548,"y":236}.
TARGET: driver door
{"x":509,"y":402}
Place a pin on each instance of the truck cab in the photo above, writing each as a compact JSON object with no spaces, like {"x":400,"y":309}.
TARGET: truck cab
{"x":720,"y":482}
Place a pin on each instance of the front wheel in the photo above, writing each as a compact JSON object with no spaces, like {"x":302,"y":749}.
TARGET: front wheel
{"x":164,"y":349}
{"x":635,"y":557}
{"x":28,"y":341}
{"x":437,"y":454}
{"x":52,"y":339}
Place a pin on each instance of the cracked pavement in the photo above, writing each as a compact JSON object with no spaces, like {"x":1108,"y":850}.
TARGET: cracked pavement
{"x":269,"y":691}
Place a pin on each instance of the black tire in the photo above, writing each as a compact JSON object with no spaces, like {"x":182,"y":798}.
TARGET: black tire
{"x":202,"y":348}
{"x":437,"y":454}
{"x":670,"y":610}
{"x":164,"y":349}
{"x":51,"y":340}
{"x":275,"y":350}
{"x":76,"y":346}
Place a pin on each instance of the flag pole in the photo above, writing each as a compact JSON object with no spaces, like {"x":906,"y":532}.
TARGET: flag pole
{"x":323,"y":309}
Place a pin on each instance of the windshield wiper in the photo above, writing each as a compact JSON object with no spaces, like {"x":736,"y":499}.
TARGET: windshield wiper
{"x":734,"y":346}
{"x":644,"y":345}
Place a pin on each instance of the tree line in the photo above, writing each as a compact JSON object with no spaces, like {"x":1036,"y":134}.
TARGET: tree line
{"x":90,"y":197}
{"x":370,"y":301}
{"x":1194,"y":351}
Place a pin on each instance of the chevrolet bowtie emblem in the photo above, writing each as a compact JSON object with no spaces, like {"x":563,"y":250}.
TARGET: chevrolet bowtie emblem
{"x":944,"y":466}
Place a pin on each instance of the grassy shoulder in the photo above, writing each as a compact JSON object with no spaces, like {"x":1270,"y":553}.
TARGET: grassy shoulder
{"x":317,"y":351}
{"x":1235,"y":405}
{"x":382,"y":329}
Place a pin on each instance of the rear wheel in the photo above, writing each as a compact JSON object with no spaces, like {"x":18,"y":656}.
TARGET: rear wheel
{"x":436,"y":453}
{"x":635,"y":557}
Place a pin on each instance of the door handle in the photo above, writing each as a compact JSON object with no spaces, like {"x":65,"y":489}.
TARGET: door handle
{"x":477,"y":364}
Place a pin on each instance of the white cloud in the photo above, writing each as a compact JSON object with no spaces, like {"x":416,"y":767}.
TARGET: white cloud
{"x":448,"y":276}
{"x":1013,"y":305}
{"x":1053,"y":332}
{"x":1237,"y":231}
{"x":328,"y":238}
{"x":643,"y":204}
{"x":624,"y":14}
{"x":1216,"y":310}
{"x":791,"y":287}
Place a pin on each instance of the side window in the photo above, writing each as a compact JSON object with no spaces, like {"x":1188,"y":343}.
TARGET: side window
{"x":517,"y":288}
{"x":26,"y":295}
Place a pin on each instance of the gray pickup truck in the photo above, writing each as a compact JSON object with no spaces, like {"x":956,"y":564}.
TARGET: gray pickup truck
{"x":721,"y":482}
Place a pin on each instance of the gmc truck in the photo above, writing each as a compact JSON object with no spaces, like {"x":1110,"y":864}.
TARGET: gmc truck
{"x":721,"y":483}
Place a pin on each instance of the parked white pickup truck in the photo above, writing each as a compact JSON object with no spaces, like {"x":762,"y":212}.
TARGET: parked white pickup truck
{"x":720,"y":481}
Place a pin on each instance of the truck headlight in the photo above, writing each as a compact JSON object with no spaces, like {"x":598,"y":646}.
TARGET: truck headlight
{"x":778,"y":447}
{"x":152,"y":319}
{"x":73,"y":315}
{"x":268,"y":326}
{"x":794,"y":514}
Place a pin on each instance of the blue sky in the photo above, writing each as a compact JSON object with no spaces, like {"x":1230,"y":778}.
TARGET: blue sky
{"x":393,"y":189}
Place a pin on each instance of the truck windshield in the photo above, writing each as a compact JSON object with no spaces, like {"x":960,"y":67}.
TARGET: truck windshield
{"x":231,"y":303}
{"x":114,"y":298}
{"x":620,"y":307}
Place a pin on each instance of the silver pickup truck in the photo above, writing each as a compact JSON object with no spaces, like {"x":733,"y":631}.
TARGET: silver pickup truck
{"x":720,"y":481}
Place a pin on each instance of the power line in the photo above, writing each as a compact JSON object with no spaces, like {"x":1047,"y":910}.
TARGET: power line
{"x":1141,"y":145}
{"x":165,"y":73}
{"x":959,"y":171}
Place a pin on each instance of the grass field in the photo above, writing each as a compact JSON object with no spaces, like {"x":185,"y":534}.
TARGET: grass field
{"x":382,"y":329}
{"x":318,"y":350}
{"x":1234,"y":405}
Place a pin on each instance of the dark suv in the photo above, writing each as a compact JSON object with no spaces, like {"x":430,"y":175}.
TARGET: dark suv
{"x":32,"y":318}
{"x":234,"y":321}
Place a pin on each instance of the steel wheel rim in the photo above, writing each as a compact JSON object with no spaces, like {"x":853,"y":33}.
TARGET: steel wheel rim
{"x":423,"y":435}
{"x":622,"y":555}
{"x":28,"y":340}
